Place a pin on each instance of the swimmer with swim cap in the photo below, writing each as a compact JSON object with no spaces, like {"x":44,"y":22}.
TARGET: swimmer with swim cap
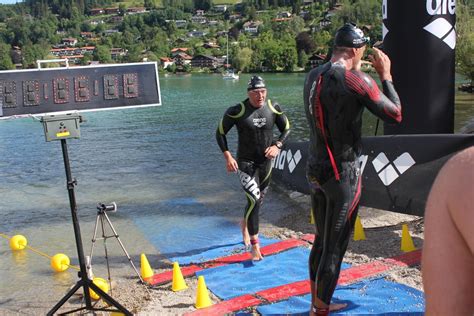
{"x":335,"y":96}
{"x":255,"y":119}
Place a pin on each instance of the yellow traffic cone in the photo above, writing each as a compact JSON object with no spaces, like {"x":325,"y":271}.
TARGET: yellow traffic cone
{"x":407,"y":242}
{"x":178,"y":280}
{"x":359,"y":233}
{"x":311,"y":216}
{"x":145,"y":269}
{"x":202,"y":297}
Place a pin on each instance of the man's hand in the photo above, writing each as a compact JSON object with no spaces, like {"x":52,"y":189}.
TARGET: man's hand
{"x":271,"y":152}
{"x":382,"y":64}
{"x":230,"y":162}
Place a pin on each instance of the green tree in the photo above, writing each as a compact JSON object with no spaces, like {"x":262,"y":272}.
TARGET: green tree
{"x":102,"y":54}
{"x":243,"y":59}
{"x":465,"y":41}
{"x":5,"y":57}
{"x":302,"y":59}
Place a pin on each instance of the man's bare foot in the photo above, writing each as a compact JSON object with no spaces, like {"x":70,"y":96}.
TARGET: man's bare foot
{"x":245,"y":233}
{"x":332,"y":308}
{"x":336,"y":307}
{"x":256,"y":254}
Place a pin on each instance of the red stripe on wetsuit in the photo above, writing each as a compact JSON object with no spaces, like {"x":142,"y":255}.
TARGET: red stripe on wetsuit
{"x":319,"y":118}
{"x":361,"y":87}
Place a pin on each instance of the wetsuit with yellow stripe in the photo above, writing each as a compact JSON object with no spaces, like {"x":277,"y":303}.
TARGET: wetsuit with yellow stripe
{"x":255,"y":134}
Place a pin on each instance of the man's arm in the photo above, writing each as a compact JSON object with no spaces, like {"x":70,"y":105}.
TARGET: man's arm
{"x":283,"y":125}
{"x":384,"y":105}
{"x":226,"y":123}
{"x":448,"y":249}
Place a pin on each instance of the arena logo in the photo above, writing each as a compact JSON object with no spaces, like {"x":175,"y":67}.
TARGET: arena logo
{"x":249,"y":183}
{"x":440,"y":27}
{"x":287,"y":157}
{"x":390,"y":171}
{"x":259,"y":122}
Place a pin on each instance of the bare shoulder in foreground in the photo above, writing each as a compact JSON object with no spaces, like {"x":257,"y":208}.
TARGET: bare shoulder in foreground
{"x":448,"y":251}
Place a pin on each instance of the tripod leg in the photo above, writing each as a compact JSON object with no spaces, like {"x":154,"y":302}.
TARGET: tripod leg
{"x":65,"y":298}
{"x":109,"y":299}
{"x":105,"y":249}
{"x":123,"y":248}
{"x":94,"y":238}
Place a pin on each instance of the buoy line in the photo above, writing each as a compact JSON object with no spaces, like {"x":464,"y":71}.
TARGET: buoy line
{"x":40,"y":252}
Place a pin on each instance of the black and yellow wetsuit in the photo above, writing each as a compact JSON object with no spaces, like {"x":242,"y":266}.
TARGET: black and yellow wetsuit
{"x":255,"y":134}
{"x":334,"y":100}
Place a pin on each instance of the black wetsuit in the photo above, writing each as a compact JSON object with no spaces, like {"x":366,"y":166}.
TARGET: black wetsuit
{"x":255,"y":134}
{"x":334,"y":100}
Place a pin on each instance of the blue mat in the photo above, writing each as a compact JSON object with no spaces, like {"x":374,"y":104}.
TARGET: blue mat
{"x":248,"y":277}
{"x":369,"y":297}
{"x":186,"y":231}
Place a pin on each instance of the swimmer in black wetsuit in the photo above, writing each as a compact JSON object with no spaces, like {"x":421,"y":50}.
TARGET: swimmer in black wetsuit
{"x":255,"y":120}
{"x":335,"y":95}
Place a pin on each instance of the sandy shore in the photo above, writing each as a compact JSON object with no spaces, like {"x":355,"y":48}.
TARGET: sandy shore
{"x":383,"y":236}
{"x":285,"y":215}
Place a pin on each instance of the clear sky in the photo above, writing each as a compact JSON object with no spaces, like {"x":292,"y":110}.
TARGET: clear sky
{"x":10,"y":1}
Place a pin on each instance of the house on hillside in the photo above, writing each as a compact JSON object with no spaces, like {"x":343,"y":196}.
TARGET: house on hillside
{"x":210,"y":45}
{"x":69,"y":41}
{"x":252,"y":27}
{"x":87,"y":35}
{"x":110,"y":32}
{"x":115,"y":53}
{"x":196,"y":34}
{"x":199,"y":19}
{"x":220,"y":8}
{"x":74,"y":59}
{"x":97,"y":11}
{"x":178,"y":50}
{"x":136,"y":10}
{"x":316,"y":60}
{"x":283,"y":15}
{"x":111,"y":10}
{"x":96,"y":22}
{"x":182,"y":59}
{"x":204,"y":61}
{"x":166,"y":61}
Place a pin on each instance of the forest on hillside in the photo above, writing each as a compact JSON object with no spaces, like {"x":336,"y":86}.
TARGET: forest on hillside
{"x":36,"y":26}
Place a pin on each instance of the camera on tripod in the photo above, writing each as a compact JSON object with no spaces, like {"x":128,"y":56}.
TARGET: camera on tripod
{"x":112,"y":207}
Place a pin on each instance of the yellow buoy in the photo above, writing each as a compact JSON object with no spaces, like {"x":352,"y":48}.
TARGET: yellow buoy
{"x":18,"y":242}
{"x":60,"y":262}
{"x":102,"y":284}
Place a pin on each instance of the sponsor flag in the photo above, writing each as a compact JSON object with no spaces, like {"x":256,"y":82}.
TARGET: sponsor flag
{"x":420,"y":39}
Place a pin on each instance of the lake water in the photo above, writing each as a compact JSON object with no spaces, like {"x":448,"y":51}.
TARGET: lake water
{"x":137,"y":158}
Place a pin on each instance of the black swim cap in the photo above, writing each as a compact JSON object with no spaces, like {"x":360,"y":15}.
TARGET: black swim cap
{"x":256,"y":82}
{"x":350,"y":35}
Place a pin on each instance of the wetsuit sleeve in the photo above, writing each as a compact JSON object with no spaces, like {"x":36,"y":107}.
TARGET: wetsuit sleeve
{"x":225,"y":125}
{"x":282,"y":123}
{"x":385,"y":105}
